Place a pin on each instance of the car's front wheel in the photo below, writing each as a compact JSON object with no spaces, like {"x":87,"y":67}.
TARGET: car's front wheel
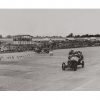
{"x":63,"y":66}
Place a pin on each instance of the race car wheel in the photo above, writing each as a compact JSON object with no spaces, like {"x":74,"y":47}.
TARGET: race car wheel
{"x":75,"y":66}
{"x":82,"y":64}
{"x":63,"y":66}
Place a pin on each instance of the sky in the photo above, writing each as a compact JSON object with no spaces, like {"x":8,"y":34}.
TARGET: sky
{"x":49,"y":22}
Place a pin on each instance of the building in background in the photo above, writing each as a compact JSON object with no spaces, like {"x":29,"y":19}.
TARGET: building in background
{"x":22,"y":40}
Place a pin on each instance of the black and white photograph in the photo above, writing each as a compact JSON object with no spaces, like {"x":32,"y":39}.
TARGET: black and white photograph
{"x":49,"y":49}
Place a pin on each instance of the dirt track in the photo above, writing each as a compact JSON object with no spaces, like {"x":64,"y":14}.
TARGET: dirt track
{"x":43,"y":72}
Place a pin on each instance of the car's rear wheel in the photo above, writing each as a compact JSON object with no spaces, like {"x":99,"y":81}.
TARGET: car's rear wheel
{"x":82,"y":64}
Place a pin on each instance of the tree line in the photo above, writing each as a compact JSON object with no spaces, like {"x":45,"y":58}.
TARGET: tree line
{"x":68,"y":36}
{"x":84,"y":35}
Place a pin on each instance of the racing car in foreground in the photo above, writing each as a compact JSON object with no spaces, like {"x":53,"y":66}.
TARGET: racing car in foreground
{"x":74,"y":59}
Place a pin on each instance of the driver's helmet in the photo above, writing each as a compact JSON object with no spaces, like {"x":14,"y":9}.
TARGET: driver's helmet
{"x":76,"y":52}
{"x":80,"y":53}
{"x":71,"y":52}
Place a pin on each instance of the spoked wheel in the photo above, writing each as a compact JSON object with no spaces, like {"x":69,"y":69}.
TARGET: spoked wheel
{"x":82,"y":64}
{"x":63,"y":66}
{"x":75,"y":68}
{"x":74,"y":65}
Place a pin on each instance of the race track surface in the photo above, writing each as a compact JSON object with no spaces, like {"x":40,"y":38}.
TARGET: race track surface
{"x":42,"y":72}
